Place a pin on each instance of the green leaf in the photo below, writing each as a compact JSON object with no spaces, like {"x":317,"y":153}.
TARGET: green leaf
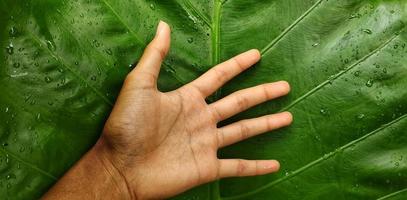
{"x":63,"y":62}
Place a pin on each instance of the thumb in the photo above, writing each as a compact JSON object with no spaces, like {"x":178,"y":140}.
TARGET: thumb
{"x":148,"y":68}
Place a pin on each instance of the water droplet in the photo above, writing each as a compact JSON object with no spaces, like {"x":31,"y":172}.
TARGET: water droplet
{"x":93,"y":78}
{"x":109,"y":51}
{"x":315,"y":44}
{"x":38,"y":116}
{"x":10,"y":49}
{"x":48,"y":79}
{"x":190,"y":40}
{"x":50,"y":46}
{"x":13,"y":32}
{"x":96,"y":43}
{"x":317,"y":138}
{"x":357,"y":73}
{"x":368,"y":31}
{"x":152,"y":6}
{"x":354,"y":16}
{"x":76,"y":63}
{"x":323,"y":111}
{"x":369,"y":83}
{"x":361,"y":116}
{"x":22,"y":149}
{"x":5,"y":144}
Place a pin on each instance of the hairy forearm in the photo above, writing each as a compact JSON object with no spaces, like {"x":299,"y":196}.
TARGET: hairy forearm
{"x":93,"y":177}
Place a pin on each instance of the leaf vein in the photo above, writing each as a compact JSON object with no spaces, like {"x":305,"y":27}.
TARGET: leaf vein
{"x":341,"y":73}
{"x":138,"y":39}
{"x":196,"y":13}
{"x":392,"y":194}
{"x":291,"y":27}
{"x":4,"y":151}
{"x":60,"y":60}
{"x":319,"y":160}
{"x":124,"y":24}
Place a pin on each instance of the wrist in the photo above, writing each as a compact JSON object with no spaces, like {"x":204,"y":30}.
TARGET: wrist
{"x":119,"y":186}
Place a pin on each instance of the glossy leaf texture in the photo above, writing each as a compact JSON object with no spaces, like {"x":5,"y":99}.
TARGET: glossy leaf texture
{"x":63,"y":62}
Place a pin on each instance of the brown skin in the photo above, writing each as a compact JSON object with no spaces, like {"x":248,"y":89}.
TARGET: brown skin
{"x":156,"y":145}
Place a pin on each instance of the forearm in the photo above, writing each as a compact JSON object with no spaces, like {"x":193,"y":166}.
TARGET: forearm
{"x":93,"y":177}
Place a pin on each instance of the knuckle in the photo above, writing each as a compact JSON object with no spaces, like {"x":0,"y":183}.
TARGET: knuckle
{"x":220,"y":74}
{"x":241,"y":167}
{"x":270,"y":123}
{"x":238,"y":64}
{"x":152,"y":48}
{"x":267,"y":92}
{"x":244,"y":131}
{"x":221,"y":139}
{"x":242,"y":102}
{"x":216,"y":115}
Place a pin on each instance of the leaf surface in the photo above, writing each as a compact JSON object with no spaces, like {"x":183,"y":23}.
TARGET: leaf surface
{"x":63,"y":62}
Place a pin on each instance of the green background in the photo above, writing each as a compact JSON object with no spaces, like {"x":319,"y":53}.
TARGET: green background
{"x":62,"y":64}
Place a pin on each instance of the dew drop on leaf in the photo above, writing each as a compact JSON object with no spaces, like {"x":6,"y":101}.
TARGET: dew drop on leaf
{"x":357,"y":73}
{"x":369,"y":83}
{"x":13,"y":32}
{"x":190,"y":40}
{"x":50,"y":46}
{"x":152,"y":6}
{"x":109,"y":51}
{"x":10,"y":49}
{"x":48,"y":79}
{"x":368,"y":31}
{"x":96,"y":43}
{"x":315,"y":44}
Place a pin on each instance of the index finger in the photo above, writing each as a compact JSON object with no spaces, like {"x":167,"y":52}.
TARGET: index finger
{"x":213,"y":79}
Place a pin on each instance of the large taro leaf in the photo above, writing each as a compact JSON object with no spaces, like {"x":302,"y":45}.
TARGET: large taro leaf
{"x":62,"y":64}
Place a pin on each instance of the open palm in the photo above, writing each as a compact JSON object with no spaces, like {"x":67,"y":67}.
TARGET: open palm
{"x":170,"y":140}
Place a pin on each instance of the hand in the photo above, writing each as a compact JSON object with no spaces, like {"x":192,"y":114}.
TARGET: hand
{"x":161,"y":144}
{"x":170,"y":140}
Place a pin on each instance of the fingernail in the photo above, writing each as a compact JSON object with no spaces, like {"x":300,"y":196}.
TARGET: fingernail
{"x":160,"y":29}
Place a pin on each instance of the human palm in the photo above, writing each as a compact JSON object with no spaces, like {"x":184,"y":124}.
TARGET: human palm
{"x":170,"y":140}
